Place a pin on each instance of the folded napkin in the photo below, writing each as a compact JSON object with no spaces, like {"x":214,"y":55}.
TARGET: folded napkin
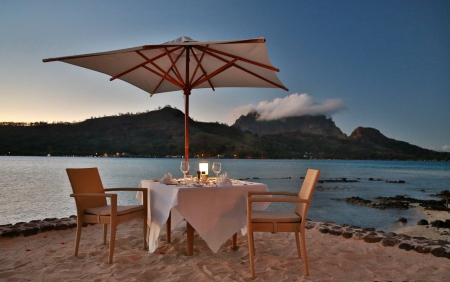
{"x":224,"y":181}
{"x":167,"y":179}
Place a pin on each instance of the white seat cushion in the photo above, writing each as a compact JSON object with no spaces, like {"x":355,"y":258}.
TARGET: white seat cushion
{"x":275,"y":216}
{"x":106,"y":210}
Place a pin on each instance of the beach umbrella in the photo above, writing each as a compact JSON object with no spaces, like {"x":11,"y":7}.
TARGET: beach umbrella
{"x":185,"y":64}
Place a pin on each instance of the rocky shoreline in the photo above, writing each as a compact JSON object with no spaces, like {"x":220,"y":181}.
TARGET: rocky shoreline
{"x":438,"y":248}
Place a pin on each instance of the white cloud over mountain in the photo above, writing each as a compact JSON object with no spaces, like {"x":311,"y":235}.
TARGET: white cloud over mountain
{"x":289,"y":106}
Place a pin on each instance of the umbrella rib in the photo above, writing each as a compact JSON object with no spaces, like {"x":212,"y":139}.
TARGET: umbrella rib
{"x":260,"y":77}
{"x":169,"y":79}
{"x":241,"y":59}
{"x":199,"y":65}
{"x":147,"y":60}
{"x":164,"y":78}
{"x":174,"y":66}
{"x":246,"y":70}
{"x":214,"y":73}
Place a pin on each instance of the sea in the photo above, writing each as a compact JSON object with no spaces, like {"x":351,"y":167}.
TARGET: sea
{"x":35,"y":188}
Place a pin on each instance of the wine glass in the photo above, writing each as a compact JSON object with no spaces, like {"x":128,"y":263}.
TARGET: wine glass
{"x":217,"y":167}
{"x":184,"y":167}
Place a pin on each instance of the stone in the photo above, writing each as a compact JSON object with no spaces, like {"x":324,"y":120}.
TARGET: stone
{"x":61,"y":226}
{"x":438,"y":252}
{"x":46,"y":226}
{"x":359,"y":235}
{"x":405,"y":246}
{"x":422,"y":222}
{"x":389,"y":241}
{"x":323,"y":230}
{"x":347,"y":234}
{"x":422,"y":249}
{"x":335,"y":231}
{"x":402,"y":219}
{"x":14,"y":232}
{"x":28,"y":231}
{"x":369,"y":229}
{"x":372,"y":238}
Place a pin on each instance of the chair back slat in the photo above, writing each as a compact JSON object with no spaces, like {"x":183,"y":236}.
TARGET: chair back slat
{"x":309,"y":184}
{"x":86,"y":180}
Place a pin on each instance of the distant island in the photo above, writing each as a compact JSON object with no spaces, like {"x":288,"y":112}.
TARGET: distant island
{"x":160,"y":133}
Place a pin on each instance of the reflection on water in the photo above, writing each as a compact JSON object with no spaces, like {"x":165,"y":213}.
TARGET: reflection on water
{"x":38,"y":187}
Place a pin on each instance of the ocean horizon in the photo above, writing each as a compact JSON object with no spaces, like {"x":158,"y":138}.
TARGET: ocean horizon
{"x":35,"y":188}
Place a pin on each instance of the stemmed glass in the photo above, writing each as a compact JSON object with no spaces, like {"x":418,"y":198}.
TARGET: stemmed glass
{"x":184,"y":167}
{"x":217,"y":167}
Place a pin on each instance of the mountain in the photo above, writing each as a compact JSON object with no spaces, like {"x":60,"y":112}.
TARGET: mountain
{"x":156,"y":133}
{"x":319,"y":125}
{"x":160,"y":133}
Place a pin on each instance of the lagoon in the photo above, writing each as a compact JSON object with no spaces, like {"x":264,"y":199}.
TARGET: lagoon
{"x":37,"y":187}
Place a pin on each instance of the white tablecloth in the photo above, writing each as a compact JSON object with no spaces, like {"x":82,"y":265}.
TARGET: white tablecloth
{"x":216,"y":213}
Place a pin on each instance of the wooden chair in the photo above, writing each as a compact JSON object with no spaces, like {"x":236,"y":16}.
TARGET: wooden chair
{"x":282,"y":221}
{"x":92,"y":207}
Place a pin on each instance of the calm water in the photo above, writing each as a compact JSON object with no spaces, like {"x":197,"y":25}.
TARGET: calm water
{"x":38,"y":187}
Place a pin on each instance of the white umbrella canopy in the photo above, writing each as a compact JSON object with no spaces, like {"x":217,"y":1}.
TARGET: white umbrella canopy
{"x":185,"y":64}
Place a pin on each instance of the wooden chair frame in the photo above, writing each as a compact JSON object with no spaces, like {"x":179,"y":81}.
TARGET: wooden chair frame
{"x":113,"y":219}
{"x":274,"y":227}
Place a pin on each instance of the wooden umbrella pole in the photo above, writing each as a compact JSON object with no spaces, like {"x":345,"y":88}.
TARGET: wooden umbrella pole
{"x":187,"y":92}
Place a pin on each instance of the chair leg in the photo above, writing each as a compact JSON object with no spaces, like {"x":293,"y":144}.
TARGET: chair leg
{"x":251,"y":250}
{"x":105,"y":233}
{"x":145,"y":228}
{"x":168,"y":227}
{"x":78,"y":236}
{"x":112,"y":241}
{"x":305,"y":259}
{"x":297,"y":242}
{"x":190,"y":239}
{"x":233,"y":241}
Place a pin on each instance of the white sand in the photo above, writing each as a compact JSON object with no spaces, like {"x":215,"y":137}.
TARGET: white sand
{"x":48,"y":256}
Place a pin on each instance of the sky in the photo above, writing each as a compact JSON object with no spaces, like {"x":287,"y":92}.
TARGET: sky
{"x":379,"y":64}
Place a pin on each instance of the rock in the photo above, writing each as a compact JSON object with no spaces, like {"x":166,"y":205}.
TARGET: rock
{"x":389,"y":241}
{"x":438,"y":252}
{"x":46,"y":226}
{"x":422,"y":222}
{"x":14,"y":232}
{"x":335,"y":231}
{"x":323,"y":230}
{"x":61,"y":226}
{"x":422,"y":249}
{"x":372,"y":238}
{"x":358,"y":235}
{"x":437,"y":223}
{"x":347,"y":234}
{"x":402,"y":219}
{"x":368,"y":229}
{"x":405,"y":246}
{"x":30,"y":230}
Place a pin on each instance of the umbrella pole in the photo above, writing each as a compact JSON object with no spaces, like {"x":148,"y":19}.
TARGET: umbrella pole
{"x":186,"y":127}
{"x":187,"y":92}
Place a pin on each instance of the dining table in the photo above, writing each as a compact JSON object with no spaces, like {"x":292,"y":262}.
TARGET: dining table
{"x":216,"y":213}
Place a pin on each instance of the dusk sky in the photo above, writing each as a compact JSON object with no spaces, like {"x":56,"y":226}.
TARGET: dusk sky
{"x":379,"y":64}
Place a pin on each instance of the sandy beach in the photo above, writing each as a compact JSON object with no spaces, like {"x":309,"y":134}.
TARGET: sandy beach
{"x":48,"y":256}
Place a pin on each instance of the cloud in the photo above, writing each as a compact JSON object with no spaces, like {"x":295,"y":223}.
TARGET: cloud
{"x":446,"y":148}
{"x":289,"y":106}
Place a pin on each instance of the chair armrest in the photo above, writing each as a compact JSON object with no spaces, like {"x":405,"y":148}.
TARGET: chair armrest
{"x":251,"y":193}
{"x":143,"y":190}
{"x":92,"y":195}
{"x":278,"y":200}
{"x":127,"y":189}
